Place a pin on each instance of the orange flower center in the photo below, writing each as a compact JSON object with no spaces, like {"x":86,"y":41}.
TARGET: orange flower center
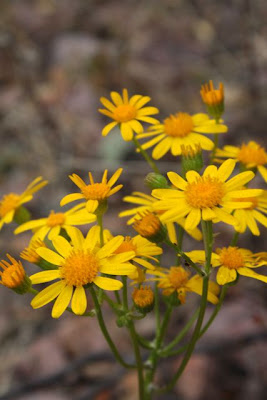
{"x":252,"y":153}
{"x":127,"y":245}
{"x":9,"y":202}
{"x":178,"y":277}
{"x":55,"y":219}
{"x":231,"y":257}
{"x":79,"y":268}
{"x":178,"y":125}
{"x":143,"y":296}
{"x":96,"y":191}
{"x":148,"y":225}
{"x":124,"y":113}
{"x":206,"y":192}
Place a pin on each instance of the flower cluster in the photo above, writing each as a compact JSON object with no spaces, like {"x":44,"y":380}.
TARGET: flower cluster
{"x":180,"y":204}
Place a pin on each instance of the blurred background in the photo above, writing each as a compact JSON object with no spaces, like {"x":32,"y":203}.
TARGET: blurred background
{"x":57,"y":58}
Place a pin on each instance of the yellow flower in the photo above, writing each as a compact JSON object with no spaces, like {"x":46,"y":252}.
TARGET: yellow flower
{"x":177,"y":279}
{"x":79,"y":264}
{"x":13,"y":276}
{"x":251,"y":155}
{"x":181,"y":129}
{"x":207,"y":197}
{"x":145,"y":204}
{"x":141,"y":247}
{"x":231,"y":262}
{"x":94,"y":193}
{"x":127,"y":113}
{"x":29,"y":253}
{"x":57,"y":221}
{"x":11,"y":202}
{"x":248,"y":217}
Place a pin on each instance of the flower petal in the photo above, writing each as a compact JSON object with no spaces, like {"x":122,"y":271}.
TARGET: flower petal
{"x":251,"y":274}
{"x":62,"y":301}
{"x":50,"y":256}
{"x":47,"y":295}
{"x":71,"y":197}
{"x":107,"y":283}
{"x":62,"y":246}
{"x":226,"y":275}
{"x":44,"y":276}
{"x":79,"y":301}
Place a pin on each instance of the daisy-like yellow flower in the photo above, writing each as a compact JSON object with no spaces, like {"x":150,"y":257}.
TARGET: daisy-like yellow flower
{"x":248,"y":217}
{"x":251,"y":155}
{"x":181,"y":129}
{"x":13,"y":275}
{"x":141,"y":248}
{"x":207,"y":197}
{"x":79,"y":264}
{"x":231,"y":262}
{"x":177,"y":279}
{"x":57,"y":221}
{"x":94,"y":193}
{"x":11,"y":202}
{"x":127,"y":113}
{"x":145,"y":204}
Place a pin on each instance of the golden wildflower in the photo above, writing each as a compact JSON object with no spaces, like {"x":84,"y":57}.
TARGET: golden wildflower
{"x":10,"y":203}
{"x":251,"y":155}
{"x":207,"y":197}
{"x":127,"y":113}
{"x":232,"y":261}
{"x":13,"y":276}
{"x":79,"y":264}
{"x":181,"y":129}
{"x":57,"y":221}
{"x":177,"y":279}
{"x":94,"y":193}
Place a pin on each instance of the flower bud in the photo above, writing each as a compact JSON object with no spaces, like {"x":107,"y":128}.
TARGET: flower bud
{"x":192,"y":158}
{"x":149,"y":226}
{"x":156,"y":181}
{"x":143,"y":299}
{"x":213,"y":98}
{"x":14,"y":276}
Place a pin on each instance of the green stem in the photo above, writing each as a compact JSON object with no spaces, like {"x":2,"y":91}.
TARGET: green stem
{"x":33,"y":291}
{"x":185,"y":257}
{"x":153,"y":359}
{"x":146,"y":156}
{"x":100,"y":224}
{"x":180,"y":242}
{"x":134,"y":337}
{"x":208,"y":239}
{"x":105,"y":332}
{"x":215,"y":312}
{"x":156,"y":306}
{"x":178,"y":338}
{"x":235,"y":239}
